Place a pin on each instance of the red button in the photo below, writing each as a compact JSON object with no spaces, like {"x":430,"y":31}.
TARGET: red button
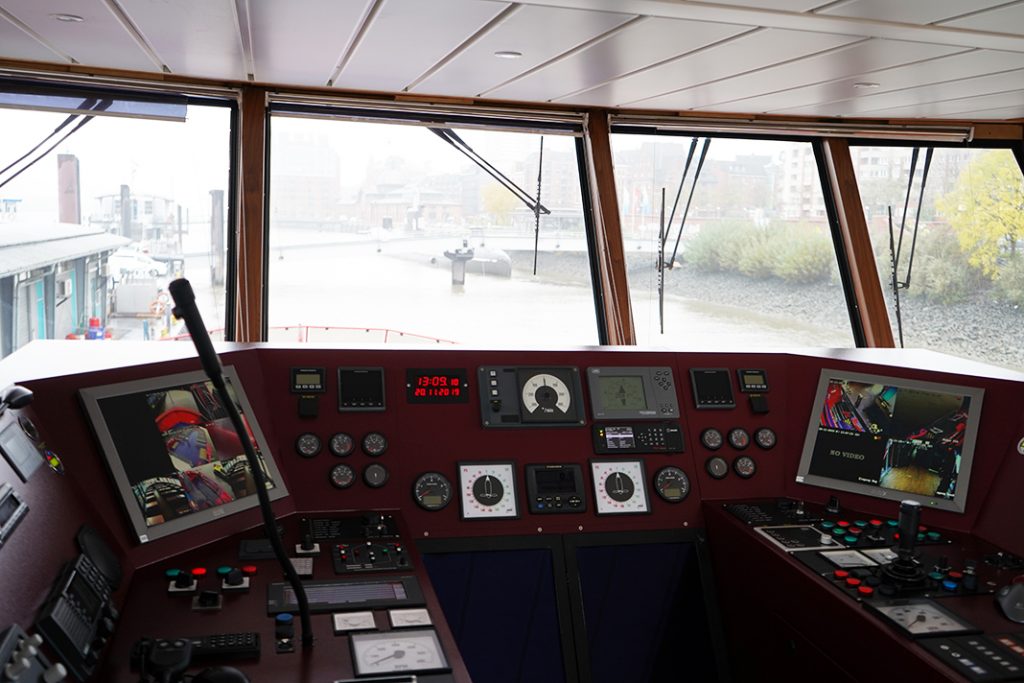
{"x":199,"y":571}
{"x":843,"y":523}
{"x":855,"y":530}
{"x":875,"y":523}
{"x":852,"y":581}
{"x":922,"y":528}
{"x":249,"y":569}
{"x":841,"y":573}
{"x":955,"y":575}
{"x":866,"y":590}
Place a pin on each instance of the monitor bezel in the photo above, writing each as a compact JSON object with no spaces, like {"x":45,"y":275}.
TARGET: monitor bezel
{"x":956,"y":504}
{"x":91,"y":398}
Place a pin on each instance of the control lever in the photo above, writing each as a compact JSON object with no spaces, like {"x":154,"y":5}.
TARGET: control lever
{"x":905,"y":570}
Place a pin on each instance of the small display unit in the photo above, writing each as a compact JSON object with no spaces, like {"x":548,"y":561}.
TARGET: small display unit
{"x":712,"y":389}
{"x":894,"y":438}
{"x":174,"y":456}
{"x":555,"y":489}
{"x":661,"y":437}
{"x":436,"y":385}
{"x":641,"y":393}
{"x":360,"y":390}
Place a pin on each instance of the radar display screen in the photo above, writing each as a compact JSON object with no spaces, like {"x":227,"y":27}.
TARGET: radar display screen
{"x":622,"y":392}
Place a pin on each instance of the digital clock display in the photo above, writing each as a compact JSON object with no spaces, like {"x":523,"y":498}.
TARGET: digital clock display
{"x":436,"y":385}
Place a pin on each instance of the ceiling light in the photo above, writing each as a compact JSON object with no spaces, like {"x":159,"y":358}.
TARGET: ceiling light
{"x":69,"y":18}
{"x":508,"y":54}
{"x":865,"y":85}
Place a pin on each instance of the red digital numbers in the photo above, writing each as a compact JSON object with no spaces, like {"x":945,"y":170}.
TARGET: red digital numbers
{"x":441,"y":387}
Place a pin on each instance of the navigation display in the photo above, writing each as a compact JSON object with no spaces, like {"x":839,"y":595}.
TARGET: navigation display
{"x":173,"y":453}
{"x":892,"y":438}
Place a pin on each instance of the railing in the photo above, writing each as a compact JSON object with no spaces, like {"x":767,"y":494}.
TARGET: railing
{"x":332,"y":333}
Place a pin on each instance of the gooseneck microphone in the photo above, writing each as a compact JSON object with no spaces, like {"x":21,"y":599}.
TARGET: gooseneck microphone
{"x":185,"y":309}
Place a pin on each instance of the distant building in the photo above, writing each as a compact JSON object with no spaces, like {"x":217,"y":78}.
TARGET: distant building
{"x":142,"y":218}
{"x":52,"y":281}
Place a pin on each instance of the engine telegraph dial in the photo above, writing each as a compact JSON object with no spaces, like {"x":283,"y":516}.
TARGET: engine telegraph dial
{"x":488,"y":490}
{"x":619,"y":486}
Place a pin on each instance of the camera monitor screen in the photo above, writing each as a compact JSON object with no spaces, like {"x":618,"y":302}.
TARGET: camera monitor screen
{"x":173,"y":453}
{"x":892,"y":438}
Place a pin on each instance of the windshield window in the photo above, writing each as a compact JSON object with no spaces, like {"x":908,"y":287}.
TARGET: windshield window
{"x":959,"y":279}
{"x":748,"y":262}
{"x":388,"y":233}
{"x":96,"y":221}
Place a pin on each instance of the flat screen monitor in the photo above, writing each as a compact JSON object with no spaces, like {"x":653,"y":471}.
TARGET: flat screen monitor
{"x":173,"y":453}
{"x":892,"y":438}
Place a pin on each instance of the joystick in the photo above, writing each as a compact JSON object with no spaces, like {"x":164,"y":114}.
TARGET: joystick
{"x":904,"y":570}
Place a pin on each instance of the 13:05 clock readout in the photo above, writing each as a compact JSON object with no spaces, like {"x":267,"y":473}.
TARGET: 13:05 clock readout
{"x":436,"y":385}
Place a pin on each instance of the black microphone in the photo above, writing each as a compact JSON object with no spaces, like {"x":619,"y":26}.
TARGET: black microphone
{"x":185,"y":309}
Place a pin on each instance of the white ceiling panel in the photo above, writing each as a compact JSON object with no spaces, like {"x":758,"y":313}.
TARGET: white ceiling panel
{"x":400,"y":47}
{"x":749,"y":52}
{"x":853,"y":60}
{"x":539,"y":33}
{"x":301,"y":41}
{"x":778,"y":5}
{"x":98,"y":40}
{"x":1004,"y":19}
{"x":964,"y":65}
{"x":907,"y":11}
{"x":994,"y":114}
{"x":922,"y":95}
{"x":955,"y":107}
{"x":16,"y":44}
{"x":194,"y":37}
{"x":640,"y":44}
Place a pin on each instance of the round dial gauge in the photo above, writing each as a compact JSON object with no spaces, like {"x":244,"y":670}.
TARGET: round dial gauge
{"x":744,"y":466}
{"x":672,"y":484}
{"x":432,"y":491}
{"x":739,"y":438}
{"x":547,"y":394}
{"x":765,"y":438}
{"x":374,"y":444}
{"x":712,"y":439}
{"x":342,"y":476}
{"x":488,"y":490}
{"x":341,"y":444}
{"x":717,"y":467}
{"x":308,"y":445}
{"x":376,"y":475}
{"x":405,"y":651}
{"x":619,"y":486}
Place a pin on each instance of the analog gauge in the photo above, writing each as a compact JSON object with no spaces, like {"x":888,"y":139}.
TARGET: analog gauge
{"x":342,"y":476}
{"x":308,"y":445}
{"x":739,"y":438}
{"x":712,"y":439}
{"x":376,"y":475}
{"x":411,"y":651}
{"x":404,"y":618}
{"x":744,"y":466}
{"x":374,"y":444}
{"x":546,"y":394}
{"x":432,"y":491}
{"x":29,"y":428}
{"x":672,"y":484}
{"x":619,"y":486}
{"x":922,"y":617}
{"x":717,"y":467}
{"x":354,"y":621}
{"x":765,"y":438}
{"x":488,"y":490}
{"x":341,"y":444}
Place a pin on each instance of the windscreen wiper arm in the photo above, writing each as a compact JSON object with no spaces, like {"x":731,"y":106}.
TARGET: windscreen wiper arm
{"x":450,"y":136}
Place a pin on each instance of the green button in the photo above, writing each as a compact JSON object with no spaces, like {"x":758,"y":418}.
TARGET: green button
{"x":223,"y":570}
{"x":936,"y":576}
{"x":920,"y":536}
{"x":172,"y":573}
{"x":934,"y":535}
{"x":850,"y":539}
{"x":827,"y":524}
{"x":861,"y":523}
{"x":839,"y":531}
{"x":892,"y":522}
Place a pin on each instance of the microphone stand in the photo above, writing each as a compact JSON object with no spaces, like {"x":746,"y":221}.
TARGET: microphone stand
{"x":185,"y":309}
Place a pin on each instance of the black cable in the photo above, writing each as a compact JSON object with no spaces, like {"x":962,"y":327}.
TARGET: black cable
{"x":56,"y":130}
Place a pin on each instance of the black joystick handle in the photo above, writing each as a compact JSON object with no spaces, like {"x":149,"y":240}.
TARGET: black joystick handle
{"x":909,"y":520}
